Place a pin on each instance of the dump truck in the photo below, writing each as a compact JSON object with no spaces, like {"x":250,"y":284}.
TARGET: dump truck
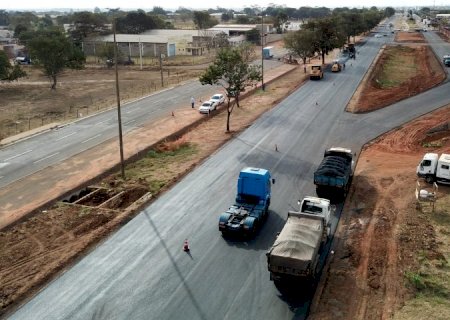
{"x":434,"y":168}
{"x":251,"y":206}
{"x":316,"y":72}
{"x":296,"y":251}
{"x":334,"y":174}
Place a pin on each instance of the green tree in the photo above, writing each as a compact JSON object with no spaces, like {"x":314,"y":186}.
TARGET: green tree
{"x":254,"y":36}
{"x":52,"y":51}
{"x":301,"y":43}
{"x":232,"y":70}
{"x":7,"y":71}
{"x":86,"y":24}
{"x":326,"y":36}
{"x":203,"y":20}
{"x":158,"y":11}
{"x":138,"y":22}
{"x":242,"y":20}
{"x":389,"y":12}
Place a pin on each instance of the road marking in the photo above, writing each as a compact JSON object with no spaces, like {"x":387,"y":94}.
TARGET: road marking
{"x":131,"y":110}
{"x":3,"y":164}
{"x":45,"y":158}
{"x":101,"y":122}
{"x":18,"y":155}
{"x":127,"y":123}
{"x":1,"y":177}
{"x":96,"y":136}
{"x":68,"y":135}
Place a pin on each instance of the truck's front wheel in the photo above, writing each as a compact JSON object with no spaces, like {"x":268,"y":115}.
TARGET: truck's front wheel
{"x":429,"y":179}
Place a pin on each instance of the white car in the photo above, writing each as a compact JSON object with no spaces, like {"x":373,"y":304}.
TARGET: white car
{"x":378,"y":35}
{"x":218,"y":98}
{"x":207,"y":107}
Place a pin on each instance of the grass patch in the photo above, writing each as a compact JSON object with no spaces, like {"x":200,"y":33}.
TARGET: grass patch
{"x":157,"y":168}
{"x":398,"y":66}
{"x":432,"y":280}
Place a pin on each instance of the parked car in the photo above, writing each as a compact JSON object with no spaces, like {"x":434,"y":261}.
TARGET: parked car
{"x":218,"y":98}
{"x":207,"y":107}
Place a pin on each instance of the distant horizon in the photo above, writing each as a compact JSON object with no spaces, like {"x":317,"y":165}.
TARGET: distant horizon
{"x":171,"y":5}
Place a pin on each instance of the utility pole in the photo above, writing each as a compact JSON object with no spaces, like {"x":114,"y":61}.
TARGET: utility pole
{"x":119,"y":117}
{"x":262,"y":51}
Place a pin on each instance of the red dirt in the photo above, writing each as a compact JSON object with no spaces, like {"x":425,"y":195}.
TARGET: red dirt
{"x":406,"y":37}
{"x":429,"y":74}
{"x":378,"y":234}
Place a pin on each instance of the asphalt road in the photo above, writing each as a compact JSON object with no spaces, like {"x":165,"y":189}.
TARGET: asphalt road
{"x":28,"y":156}
{"x":141,"y":271}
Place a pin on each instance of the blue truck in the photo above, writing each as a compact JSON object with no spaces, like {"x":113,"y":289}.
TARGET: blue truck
{"x":252,"y":203}
{"x":334,"y":174}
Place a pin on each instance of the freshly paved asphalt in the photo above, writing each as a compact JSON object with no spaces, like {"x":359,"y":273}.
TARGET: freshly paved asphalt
{"x":141,"y":271}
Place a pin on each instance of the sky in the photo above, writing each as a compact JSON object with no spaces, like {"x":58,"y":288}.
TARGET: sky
{"x":202,"y":4}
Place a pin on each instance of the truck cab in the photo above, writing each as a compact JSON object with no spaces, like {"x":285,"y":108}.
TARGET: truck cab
{"x":434,"y":168}
{"x":251,"y":205}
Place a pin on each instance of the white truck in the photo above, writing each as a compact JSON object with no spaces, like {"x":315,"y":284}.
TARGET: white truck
{"x":434,"y":168}
{"x":296,"y":251}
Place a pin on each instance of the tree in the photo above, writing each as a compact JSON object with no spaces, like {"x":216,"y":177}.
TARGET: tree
{"x":158,"y":11}
{"x":253,"y":36}
{"x":138,"y":22}
{"x":300,"y":43}
{"x":232,"y":70}
{"x":7,"y":71}
{"x":279,"y":21}
{"x":85,"y":24}
{"x":203,"y":20}
{"x":52,"y":51}
{"x":389,"y":12}
{"x":326,"y":37}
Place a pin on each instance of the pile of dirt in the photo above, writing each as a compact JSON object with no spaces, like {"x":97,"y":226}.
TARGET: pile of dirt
{"x":429,"y":73}
{"x":379,"y":236}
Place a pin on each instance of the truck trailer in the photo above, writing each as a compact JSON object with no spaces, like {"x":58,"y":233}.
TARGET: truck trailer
{"x":252,"y":203}
{"x":296,"y":251}
{"x":434,"y":168}
{"x":334,"y":174}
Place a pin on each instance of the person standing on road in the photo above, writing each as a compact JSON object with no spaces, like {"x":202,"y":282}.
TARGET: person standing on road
{"x":192,"y":102}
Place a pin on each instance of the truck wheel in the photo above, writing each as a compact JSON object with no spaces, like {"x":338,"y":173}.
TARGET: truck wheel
{"x":429,"y":179}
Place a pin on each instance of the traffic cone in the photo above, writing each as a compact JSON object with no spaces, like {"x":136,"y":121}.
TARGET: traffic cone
{"x":186,"y":246}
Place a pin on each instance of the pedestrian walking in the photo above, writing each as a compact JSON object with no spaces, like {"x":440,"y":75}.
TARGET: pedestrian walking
{"x":192,"y":102}
{"x":304,"y":69}
{"x":343,"y":65}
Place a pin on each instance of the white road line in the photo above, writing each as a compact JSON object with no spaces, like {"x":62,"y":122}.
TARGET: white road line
{"x":127,"y":123}
{"x":101,"y":122}
{"x":45,"y":158}
{"x":91,"y":138}
{"x":131,"y":110}
{"x":68,"y":135}
{"x":18,"y":155}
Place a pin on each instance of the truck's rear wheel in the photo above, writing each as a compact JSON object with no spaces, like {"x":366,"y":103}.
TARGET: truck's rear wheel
{"x":429,"y":179}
